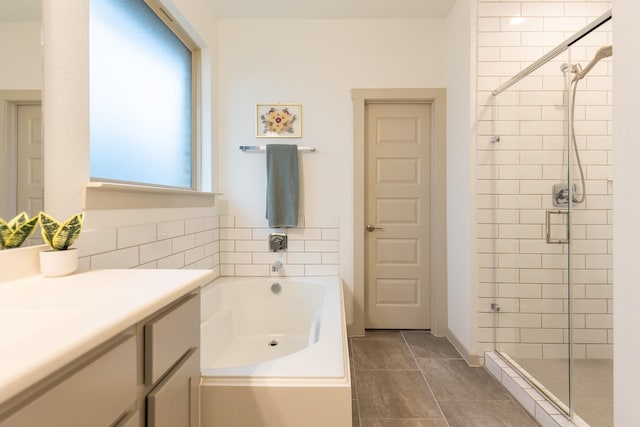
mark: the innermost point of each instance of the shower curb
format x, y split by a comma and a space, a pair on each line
534, 402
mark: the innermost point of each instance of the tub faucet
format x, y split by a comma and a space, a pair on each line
275, 267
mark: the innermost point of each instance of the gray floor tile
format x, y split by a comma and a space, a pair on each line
382, 354
395, 422
423, 345
381, 334
395, 394
486, 413
453, 379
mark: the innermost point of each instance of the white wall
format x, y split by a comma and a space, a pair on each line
21, 49
626, 229
316, 63
460, 170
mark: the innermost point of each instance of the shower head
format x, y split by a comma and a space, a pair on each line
603, 52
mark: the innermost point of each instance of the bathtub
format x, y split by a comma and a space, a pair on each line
274, 353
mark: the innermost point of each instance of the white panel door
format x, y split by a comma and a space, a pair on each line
398, 147
30, 163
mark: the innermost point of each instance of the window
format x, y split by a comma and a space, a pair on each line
141, 97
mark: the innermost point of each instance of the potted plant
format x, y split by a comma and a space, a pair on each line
61, 259
16, 231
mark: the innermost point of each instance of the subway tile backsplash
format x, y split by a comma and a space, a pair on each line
229, 245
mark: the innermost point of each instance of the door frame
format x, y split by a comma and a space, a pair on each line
437, 99
10, 100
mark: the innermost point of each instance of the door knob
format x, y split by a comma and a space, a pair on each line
371, 227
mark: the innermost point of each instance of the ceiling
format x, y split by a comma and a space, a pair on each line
20, 10
332, 9
30, 10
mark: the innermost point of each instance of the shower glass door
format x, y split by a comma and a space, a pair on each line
532, 245
549, 250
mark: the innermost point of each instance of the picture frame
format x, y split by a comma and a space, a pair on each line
279, 120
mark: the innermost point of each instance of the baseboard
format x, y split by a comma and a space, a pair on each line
471, 359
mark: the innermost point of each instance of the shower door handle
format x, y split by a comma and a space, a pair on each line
548, 228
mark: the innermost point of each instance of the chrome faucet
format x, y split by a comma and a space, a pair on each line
275, 267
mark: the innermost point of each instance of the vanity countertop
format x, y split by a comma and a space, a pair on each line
46, 323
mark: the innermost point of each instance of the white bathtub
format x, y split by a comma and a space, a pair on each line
274, 359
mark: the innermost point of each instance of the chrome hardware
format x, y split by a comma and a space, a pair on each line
495, 307
371, 227
495, 139
277, 242
548, 228
276, 266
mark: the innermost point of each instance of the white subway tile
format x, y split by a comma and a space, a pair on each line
236, 234
541, 276
168, 230
252, 246
93, 242
330, 234
488, 24
520, 172
136, 235
212, 222
147, 266
252, 270
305, 258
499, 9
542, 336
305, 234
518, 393
123, 258
155, 250
564, 24
542, 9
521, 24
292, 270
204, 237
269, 258
173, 261
195, 225
321, 270
489, 54
542, 38
519, 290
193, 255
321, 246
522, 53
235, 258
590, 336
182, 243
227, 270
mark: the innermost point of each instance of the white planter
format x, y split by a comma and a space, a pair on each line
58, 263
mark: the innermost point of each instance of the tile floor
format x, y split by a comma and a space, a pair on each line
592, 385
413, 379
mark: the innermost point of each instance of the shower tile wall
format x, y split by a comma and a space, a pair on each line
229, 245
515, 177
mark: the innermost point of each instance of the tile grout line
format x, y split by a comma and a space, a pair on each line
444, 417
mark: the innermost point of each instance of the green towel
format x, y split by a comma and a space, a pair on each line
282, 185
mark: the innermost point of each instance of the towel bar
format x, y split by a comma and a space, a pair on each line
264, 147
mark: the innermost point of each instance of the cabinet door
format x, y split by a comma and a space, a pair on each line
95, 395
169, 337
175, 401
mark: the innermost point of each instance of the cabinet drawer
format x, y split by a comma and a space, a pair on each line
95, 395
174, 401
170, 336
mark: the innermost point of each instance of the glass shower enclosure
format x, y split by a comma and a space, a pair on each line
552, 222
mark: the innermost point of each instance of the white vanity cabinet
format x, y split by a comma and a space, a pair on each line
95, 391
172, 366
146, 375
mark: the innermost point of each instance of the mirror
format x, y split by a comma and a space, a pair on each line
21, 145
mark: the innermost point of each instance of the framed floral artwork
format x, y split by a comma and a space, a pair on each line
279, 120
